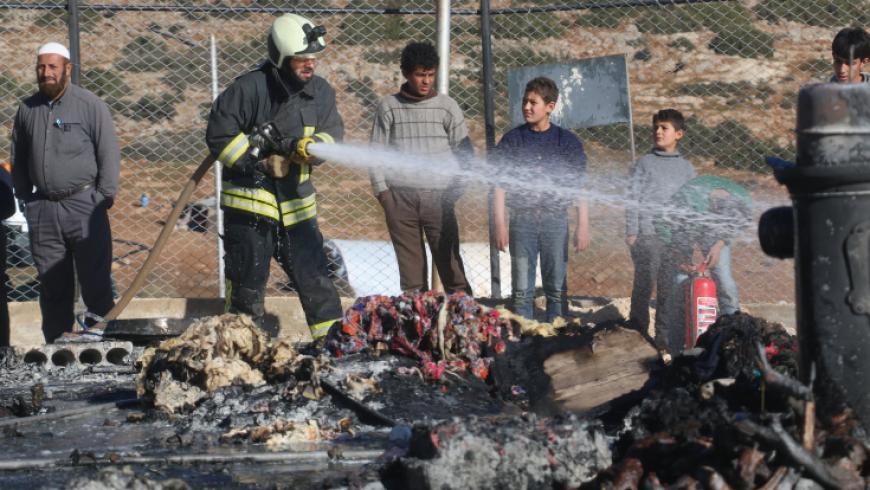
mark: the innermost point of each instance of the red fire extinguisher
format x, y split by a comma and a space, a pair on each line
701, 304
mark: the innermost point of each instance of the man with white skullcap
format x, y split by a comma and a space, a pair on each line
66, 164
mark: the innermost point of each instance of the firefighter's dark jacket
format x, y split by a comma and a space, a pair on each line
257, 97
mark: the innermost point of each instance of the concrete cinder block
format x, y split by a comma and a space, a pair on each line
53, 356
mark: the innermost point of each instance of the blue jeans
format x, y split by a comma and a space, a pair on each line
532, 234
726, 286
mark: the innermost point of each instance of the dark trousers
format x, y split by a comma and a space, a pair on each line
4, 291
67, 237
670, 322
412, 214
647, 257
250, 244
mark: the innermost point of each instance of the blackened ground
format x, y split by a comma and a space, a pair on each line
405, 397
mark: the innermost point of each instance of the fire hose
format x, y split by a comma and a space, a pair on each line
143, 273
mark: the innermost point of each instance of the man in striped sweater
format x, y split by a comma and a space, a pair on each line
419, 200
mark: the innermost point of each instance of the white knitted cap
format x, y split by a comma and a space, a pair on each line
53, 48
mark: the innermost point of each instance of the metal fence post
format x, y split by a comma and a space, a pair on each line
489, 124
73, 26
443, 35
218, 180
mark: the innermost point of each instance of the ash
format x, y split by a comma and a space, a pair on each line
124, 478
513, 452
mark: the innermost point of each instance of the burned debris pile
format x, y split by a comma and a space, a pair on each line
454, 395
725, 417
443, 333
217, 352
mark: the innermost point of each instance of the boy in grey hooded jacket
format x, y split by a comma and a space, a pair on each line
654, 180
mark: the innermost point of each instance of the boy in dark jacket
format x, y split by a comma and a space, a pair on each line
543, 153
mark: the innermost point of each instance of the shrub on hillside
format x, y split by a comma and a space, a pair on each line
105, 83
155, 108
89, 20
145, 54
368, 29
362, 89
166, 146
820, 69
735, 92
746, 43
605, 18
682, 44
821, 13
526, 26
729, 144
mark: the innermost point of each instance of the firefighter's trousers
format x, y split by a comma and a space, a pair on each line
250, 244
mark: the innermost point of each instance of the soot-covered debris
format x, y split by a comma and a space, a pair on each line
443, 333
217, 352
496, 453
724, 420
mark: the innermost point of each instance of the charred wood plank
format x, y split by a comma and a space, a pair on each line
617, 362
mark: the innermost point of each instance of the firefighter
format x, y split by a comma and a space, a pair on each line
259, 129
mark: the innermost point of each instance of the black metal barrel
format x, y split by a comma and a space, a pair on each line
830, 190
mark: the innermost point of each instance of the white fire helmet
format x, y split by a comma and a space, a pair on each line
293, 35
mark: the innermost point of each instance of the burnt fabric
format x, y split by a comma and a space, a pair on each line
251, 243
70, 237
463, 337
411, 213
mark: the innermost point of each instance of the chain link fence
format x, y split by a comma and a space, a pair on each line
733, 67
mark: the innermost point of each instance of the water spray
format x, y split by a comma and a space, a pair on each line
603, 190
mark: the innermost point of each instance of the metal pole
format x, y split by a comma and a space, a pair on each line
73, 26
489, 123
443, 35
218, 176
